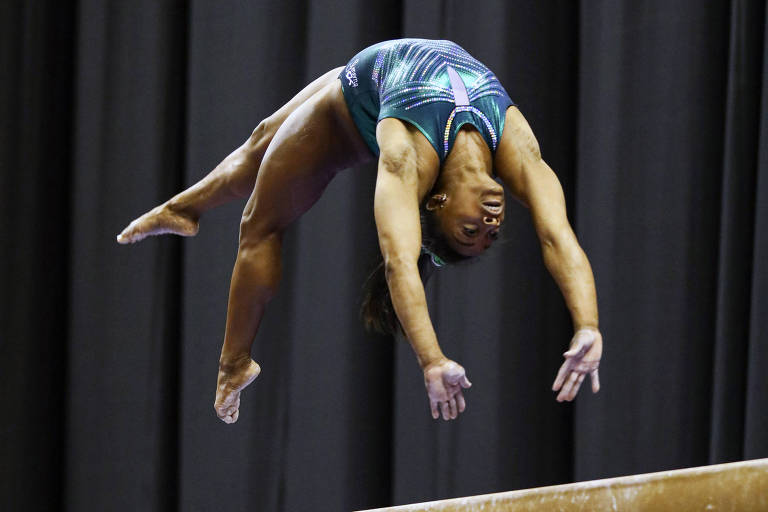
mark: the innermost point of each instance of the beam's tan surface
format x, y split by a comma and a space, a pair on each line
739, 486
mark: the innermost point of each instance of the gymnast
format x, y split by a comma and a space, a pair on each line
443, 128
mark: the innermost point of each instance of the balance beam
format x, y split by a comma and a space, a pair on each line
738, 486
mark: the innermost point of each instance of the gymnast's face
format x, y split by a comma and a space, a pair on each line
469, 216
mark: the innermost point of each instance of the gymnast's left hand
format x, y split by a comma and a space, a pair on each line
581, 360
444, 380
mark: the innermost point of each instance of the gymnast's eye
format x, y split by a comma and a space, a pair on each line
494, 235
470, 230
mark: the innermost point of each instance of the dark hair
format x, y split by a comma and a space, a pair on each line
377, 311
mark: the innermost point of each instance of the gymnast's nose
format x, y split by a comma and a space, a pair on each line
491, 221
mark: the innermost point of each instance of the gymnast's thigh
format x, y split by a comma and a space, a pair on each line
314, 143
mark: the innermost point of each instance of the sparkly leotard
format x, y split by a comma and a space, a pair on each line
434, 85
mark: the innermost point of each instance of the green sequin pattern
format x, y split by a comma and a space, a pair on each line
408, 79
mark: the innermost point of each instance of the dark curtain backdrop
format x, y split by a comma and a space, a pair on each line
653, 114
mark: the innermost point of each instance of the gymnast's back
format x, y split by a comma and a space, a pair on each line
435, 85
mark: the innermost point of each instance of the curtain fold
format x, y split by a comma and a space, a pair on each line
652, 87
36, 56
742, 125
122, 364
652, 115
756, 420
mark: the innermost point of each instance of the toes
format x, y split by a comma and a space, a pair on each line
227, 407
231, 418
124, 237
233, 408
131, 234
229, 386
228, 414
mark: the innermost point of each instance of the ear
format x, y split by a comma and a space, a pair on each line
436, 201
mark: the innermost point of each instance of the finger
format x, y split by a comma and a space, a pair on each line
574, 350
460, 402
433, 407
236, 415
446, 412
570, 353
452, 408
567, 386
561, 374
464, 382
575, 389
595, 381
573, 379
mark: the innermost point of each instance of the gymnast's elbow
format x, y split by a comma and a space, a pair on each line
562, 248
399, 266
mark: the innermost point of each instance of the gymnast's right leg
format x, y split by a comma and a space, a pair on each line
233, 178
316, 141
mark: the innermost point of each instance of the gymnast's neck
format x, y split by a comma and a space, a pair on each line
469, 159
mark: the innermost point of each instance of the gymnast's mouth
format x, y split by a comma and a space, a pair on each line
493, 207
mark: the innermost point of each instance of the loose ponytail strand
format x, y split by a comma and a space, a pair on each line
376, 311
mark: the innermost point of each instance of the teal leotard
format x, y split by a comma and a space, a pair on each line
434, 85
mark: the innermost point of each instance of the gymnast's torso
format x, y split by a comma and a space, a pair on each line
435, 85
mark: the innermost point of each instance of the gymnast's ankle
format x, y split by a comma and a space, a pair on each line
233, 362
178, 207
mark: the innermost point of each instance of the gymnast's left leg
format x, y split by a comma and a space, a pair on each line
232, 179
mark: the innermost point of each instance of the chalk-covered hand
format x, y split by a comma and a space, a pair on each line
581, 360
444, 381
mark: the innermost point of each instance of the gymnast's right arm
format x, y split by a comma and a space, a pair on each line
396, 208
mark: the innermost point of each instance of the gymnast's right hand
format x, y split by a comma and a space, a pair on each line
444, 380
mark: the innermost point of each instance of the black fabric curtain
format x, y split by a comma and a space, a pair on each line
651, 113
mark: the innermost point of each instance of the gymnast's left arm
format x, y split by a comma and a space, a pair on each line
518, 162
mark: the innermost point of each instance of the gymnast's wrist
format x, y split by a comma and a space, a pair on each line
434, 357
594, 333
585, 326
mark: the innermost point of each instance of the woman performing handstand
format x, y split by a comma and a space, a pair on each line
442, 126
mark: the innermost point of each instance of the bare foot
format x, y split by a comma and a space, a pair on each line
233, 378
158, 221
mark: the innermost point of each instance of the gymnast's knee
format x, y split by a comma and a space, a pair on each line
263, 133
255, 230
